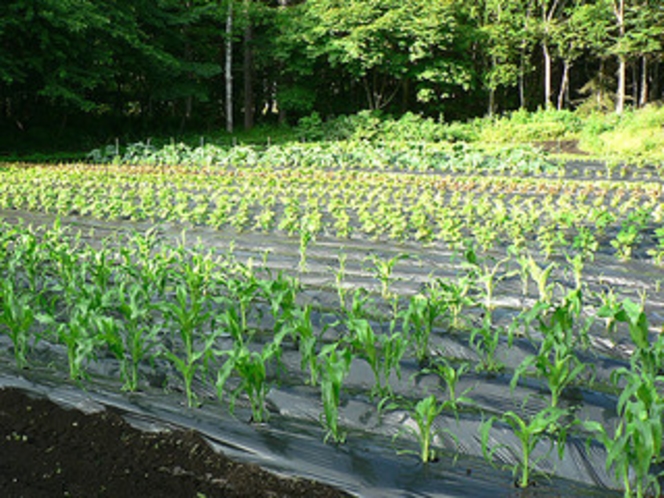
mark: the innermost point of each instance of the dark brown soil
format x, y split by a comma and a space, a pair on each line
47, 451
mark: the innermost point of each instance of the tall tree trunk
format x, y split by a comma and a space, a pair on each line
645, 91
522, 79
248, 72
619, 12
564, 84
547, 75
229, 68
620, 93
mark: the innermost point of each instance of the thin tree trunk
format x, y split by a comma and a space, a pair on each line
600, 84
547, 75
522, 79
645, 91
622, 75
619, 12
564, 84
229, 67
248, 70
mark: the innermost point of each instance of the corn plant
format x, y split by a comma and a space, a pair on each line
456, 296
188, 315
382, 352
485, 340
541, 276
335, 365
302, 332
281, 292
544, 426
424, 414
16, 318
383, 270
420, 317
251, 368
556, 361
631, 231
243, 290
634, 449
450, 375
80, 337
134, 337
309, 226
488, 275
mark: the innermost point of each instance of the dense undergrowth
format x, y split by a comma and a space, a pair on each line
634, 136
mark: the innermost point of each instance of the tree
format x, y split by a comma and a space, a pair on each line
582, 32
507, 39
384, 44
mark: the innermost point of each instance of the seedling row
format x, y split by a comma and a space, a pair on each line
184, 316
554, 216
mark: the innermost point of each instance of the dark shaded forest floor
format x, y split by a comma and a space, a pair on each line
48, 451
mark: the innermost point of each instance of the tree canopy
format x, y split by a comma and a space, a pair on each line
165, 63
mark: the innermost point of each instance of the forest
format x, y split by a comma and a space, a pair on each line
94, 69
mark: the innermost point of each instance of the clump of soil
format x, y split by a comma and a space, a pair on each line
49, 451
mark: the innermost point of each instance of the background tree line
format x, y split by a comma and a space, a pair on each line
139, 66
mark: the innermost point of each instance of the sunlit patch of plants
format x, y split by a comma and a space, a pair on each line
220, 326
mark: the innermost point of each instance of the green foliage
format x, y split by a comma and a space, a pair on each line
424, 414
544, 426
335, 365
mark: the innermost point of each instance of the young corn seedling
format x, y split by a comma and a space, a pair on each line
383, 353
383, 270
80, 336
334, 367
545, 426
450, 375
456, 297
424, 414
309, 226
576, 262
634, 449
251, 368
489, 277
485, 340
243, 290
419, 320
133, 338
16, 318
302, 331
281, 293
188, 315
541, 276
556, 360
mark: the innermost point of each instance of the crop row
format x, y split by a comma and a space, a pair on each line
550, 215
215, 321
336, 155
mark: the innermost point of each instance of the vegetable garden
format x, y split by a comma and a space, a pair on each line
434, 320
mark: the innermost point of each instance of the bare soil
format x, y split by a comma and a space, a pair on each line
48, 451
